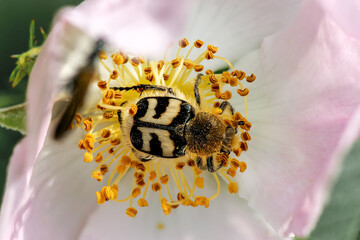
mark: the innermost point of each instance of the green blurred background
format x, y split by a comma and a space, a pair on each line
15, 18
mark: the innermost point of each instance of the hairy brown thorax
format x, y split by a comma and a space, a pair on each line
204, 134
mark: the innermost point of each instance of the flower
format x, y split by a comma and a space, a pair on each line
305, 94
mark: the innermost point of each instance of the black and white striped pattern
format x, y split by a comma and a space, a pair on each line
158, 127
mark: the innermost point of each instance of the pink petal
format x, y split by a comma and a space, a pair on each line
238, 27
15, 194
306, 92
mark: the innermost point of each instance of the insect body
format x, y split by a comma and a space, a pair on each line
167, 127
79, 85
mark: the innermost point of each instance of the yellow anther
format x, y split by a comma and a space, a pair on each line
188, 64
88, 144
251, 78
203, 201
121, 169
233, 188
103, 169
244, 146
235, 163
97, 175
164, 179
150, 77
237, 116
110, 193
142, 202
243, 166
238, 74
217, 111
141, 167
139, 175
109, 94
98, 158
237, 151
114, 75
176, 62
108, 115
213, 79
209, 55
227, 95
81, 145
141, 59
136, 192
197, 171
140, 182
209, 72
135, 61
198, 43
231, 171
156, 187
100, 198
191, 163
115, 141
133, 110
215, 87
118, 59
106, 133
166, 207
180, 196
147, 70
245, 136
102, 85
160, 65
88, 157
102, 55
88, 123
78, 118
243, 92
90, 136
199, 182
183, 43
246, 126
212, 48
126, 160
180, 165
166, 77
234, 82
131, 212
198, 68
133, 163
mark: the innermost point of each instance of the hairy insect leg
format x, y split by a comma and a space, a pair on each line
196, 88
226, 106
144, 87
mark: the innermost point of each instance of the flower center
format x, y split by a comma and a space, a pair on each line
169, 124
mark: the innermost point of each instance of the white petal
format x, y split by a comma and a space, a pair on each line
307, 90
238, 27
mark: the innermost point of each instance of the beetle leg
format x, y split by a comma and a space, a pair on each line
196, 89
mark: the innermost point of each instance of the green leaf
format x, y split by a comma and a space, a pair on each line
32, 34
14, 117
341, 217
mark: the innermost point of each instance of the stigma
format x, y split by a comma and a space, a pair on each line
170, 125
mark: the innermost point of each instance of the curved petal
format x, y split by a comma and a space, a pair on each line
16, 192
307, 90
62, 195
238, 27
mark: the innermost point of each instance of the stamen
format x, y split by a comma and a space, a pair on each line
113, 152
